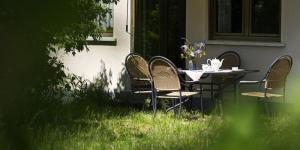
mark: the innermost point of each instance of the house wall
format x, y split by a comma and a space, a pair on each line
253, 57
90, 63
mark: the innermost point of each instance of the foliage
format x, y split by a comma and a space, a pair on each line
30, 31
32, 80
59, 105
72, 38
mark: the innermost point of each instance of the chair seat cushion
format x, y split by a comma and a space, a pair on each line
173, 95
261, 94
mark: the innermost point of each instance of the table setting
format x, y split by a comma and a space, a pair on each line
212, 67
193, 50
222, 70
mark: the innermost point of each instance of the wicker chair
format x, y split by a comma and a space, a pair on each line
137, 68
218, 83
231, 59
166, 83
274, 81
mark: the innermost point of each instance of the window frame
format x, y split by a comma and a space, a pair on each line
107, 38
246, 34
112, 16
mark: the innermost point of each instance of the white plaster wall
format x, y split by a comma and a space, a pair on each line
253, 57
88, 64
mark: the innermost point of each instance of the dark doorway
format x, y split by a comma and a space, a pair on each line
159, 27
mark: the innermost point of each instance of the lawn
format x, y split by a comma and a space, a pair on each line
121, 128
74, 126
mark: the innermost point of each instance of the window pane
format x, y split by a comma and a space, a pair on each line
265, 16
107, 22
229, 16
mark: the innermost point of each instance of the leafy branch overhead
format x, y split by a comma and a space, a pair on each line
73, 37
30, 30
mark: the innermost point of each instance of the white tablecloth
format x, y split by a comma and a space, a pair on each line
195, 75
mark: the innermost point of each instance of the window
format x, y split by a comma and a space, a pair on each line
253, 20
107, 23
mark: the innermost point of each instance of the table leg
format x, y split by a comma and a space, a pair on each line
235, 91
190, 103
220, 100
201, 99
212, 92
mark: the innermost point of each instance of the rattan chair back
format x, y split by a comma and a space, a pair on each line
231, 59
164, 74
137, 67
278, 72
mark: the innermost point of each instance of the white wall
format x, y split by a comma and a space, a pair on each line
253, 57
88, 64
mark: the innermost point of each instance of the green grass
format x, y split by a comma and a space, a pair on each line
88, 126
114, 128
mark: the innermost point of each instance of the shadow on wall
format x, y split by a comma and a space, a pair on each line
104, 75
123, 93
102, 88
123, 81
98, 89
74, 88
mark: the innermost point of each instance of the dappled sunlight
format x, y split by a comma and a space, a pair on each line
87, 125
92, 119
136, 130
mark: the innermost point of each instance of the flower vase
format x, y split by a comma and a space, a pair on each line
192, 65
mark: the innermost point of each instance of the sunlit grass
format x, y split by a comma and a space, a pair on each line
124, 128
99, 127
87, 125
129, 129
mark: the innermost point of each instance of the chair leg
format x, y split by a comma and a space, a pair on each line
190, 105
220, 102
267, 109
154, 105
154, 99
176, 109
151, 101
201, 100
191, 100
173, 105
236, 91
212, 94
284, 94
180, 101
202, 108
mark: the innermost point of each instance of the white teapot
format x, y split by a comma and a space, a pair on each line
215, 64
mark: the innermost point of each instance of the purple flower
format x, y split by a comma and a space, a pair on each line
198, 51
192, 50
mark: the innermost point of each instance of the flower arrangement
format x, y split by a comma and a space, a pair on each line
193, 50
